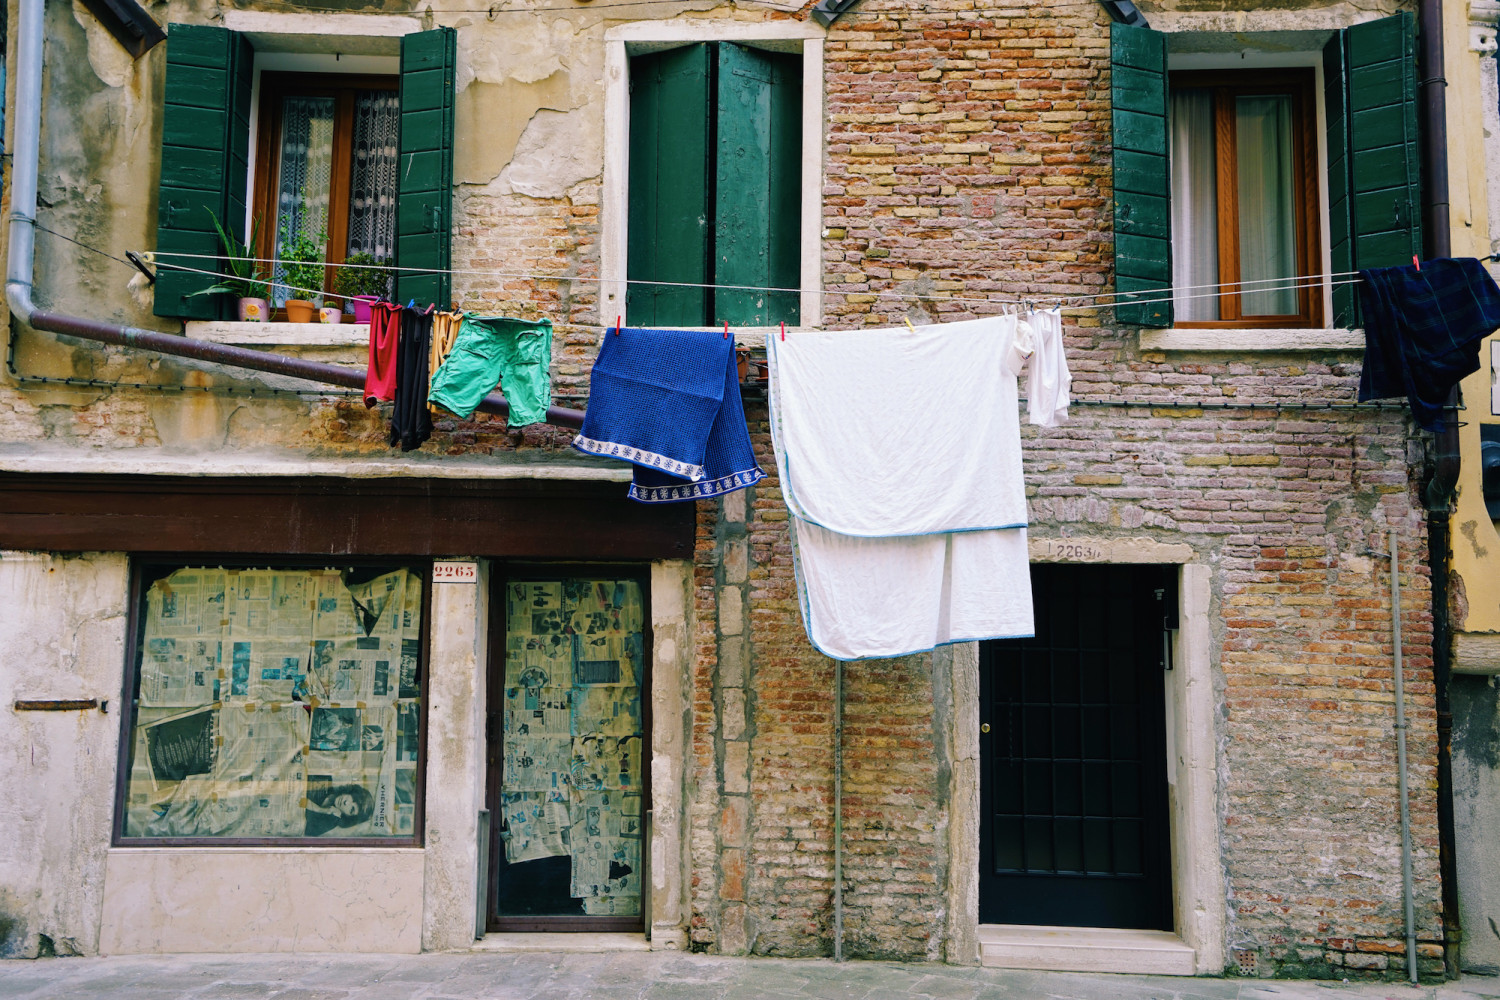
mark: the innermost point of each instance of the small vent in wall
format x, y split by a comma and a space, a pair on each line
1246, 960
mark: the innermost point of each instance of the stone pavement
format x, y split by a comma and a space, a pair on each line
636, 975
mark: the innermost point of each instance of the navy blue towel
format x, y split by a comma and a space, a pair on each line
668, 402
1423, 329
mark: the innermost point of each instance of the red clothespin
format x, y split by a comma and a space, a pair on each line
1416, 263
783, 329
726, 329
617, 325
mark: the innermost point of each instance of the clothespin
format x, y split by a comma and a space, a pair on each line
726, 329
783, 329
908, 324
618, 320
411, 304
1416, 263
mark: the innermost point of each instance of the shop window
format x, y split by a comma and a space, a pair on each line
326, 170
1244, 186
274, 704
571, 788
396, 192
715, 186
1215, 179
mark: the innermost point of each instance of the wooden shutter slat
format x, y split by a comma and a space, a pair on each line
668, 229
1142, 214
424, 187
205, 130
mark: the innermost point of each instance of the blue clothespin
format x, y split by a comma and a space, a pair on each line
411, 304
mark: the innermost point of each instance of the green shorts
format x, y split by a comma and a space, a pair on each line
516, 354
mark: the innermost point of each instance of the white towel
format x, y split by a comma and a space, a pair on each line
1048, 378
900, 458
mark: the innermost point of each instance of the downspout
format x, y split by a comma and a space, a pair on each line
1440, 489
21, 257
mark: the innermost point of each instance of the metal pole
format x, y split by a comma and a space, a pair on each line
838, 810
1406, 886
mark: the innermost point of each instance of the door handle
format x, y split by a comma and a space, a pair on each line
984, 727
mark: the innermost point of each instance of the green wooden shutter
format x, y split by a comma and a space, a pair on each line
1340, 230
758, 191
670, 159
204, 147
1143, 219
1384, 158
424, 187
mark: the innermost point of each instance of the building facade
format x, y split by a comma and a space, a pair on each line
1192, 768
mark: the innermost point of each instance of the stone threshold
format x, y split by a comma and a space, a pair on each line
1084, 949
561, 942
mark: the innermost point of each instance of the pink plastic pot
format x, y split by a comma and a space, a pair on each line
362, 304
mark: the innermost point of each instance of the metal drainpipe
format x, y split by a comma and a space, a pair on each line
21, 256
1399, 673
1440, 488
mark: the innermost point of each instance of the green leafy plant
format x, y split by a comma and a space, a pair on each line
302, 262
247, 277
366, 275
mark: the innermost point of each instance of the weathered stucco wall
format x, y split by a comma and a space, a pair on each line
63, 632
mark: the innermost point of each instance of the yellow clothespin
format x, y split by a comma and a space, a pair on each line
908, 324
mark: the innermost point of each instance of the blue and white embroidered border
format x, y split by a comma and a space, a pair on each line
696, 491
613, 449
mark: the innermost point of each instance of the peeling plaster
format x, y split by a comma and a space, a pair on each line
555, 152
499, 114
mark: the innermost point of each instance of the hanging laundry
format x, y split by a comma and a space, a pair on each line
515, 354
1047, 377
445, 326
1423, 330
900, 459
668, 402
385, 336
411, 424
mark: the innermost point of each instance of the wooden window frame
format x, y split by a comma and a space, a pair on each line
142, 563
1297, 83
274, 87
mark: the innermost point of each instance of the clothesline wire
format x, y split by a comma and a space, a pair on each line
986, 13
1172, 293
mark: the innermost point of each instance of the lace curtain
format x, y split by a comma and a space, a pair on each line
302, 188
372, 187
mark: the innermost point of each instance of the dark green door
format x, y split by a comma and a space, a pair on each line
1073, 789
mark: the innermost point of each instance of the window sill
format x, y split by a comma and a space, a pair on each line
279, 334
1252, 340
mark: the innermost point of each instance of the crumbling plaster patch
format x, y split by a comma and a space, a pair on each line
555, 152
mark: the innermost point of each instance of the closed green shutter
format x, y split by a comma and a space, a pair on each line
1143, 220
758, 199
1340, 230
669, 187
424, 187
204, 148
1384, 158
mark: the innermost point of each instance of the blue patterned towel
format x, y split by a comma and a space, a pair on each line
668, 402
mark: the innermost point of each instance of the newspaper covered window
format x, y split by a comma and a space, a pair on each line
570, 788
276, 703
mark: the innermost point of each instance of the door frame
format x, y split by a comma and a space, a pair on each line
1198, 904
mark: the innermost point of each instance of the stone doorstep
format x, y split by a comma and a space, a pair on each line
561, 943
1084, 949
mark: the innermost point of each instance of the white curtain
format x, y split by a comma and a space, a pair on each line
1195, 212
1268, 225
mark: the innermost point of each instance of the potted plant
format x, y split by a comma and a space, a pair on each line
363, 282
247, 278
302, 268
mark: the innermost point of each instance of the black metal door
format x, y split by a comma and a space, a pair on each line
1073, 793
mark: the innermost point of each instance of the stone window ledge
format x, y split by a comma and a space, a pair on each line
1241, 341
280, 334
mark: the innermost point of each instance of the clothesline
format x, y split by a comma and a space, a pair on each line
1164, 294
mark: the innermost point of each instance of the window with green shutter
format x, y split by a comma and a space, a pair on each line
1232, 156
350, 164
715, 186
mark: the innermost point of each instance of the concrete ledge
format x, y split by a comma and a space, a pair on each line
1242, 341
152, 462
279, 334
1084, 949
575, 943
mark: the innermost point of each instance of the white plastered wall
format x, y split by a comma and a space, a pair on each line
1197, 866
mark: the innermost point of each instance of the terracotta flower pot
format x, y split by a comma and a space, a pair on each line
301, 311
362, 304
331, 314
255, 310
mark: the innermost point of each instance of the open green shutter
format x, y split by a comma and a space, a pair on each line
1384, 158
1340, 228
670, 160
204, 146
758, 202
424, 187
1143, 219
